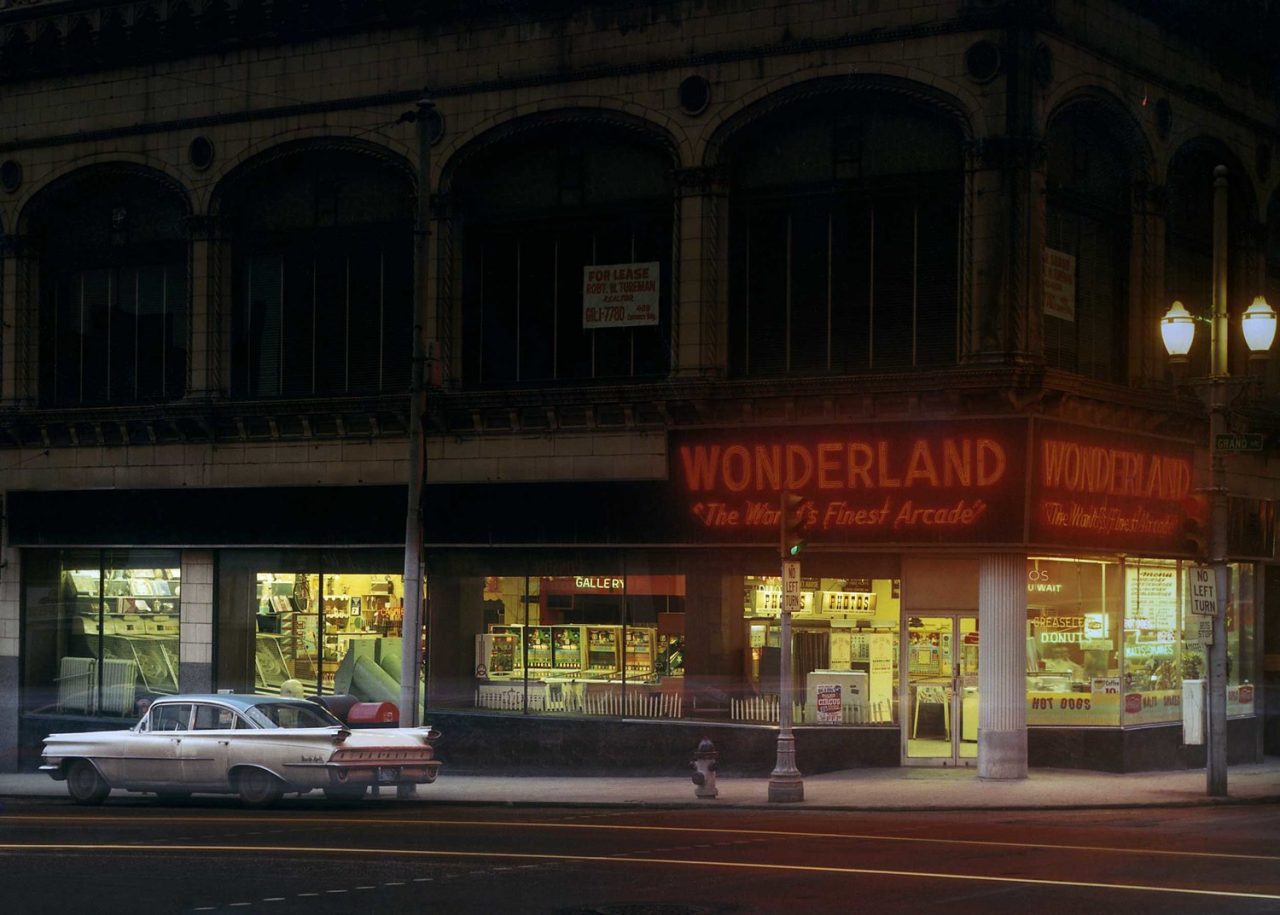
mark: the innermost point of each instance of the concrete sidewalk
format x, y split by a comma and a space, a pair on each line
851, 789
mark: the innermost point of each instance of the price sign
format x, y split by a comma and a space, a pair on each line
1204, 591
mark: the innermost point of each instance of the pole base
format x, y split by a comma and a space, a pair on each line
785, 790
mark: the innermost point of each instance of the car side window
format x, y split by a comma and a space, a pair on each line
171, 718
214, 718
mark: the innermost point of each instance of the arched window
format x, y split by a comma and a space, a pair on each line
1087, 218
323, 276
844, 239
113, 290
535, 213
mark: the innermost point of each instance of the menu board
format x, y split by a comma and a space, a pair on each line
1151, 597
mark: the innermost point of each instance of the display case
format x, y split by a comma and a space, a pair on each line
604, 652
567, 651
640, 646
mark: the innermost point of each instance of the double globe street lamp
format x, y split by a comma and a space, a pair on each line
1177, 328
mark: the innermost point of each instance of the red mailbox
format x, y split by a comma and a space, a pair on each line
373, 715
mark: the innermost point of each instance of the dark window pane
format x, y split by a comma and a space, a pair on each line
498, 307
851, 288
537, 307
95, 324
125, 328
175, 362
809, 247
766, 291
151, 351
297, 325
328, 339
652, 345
260, 326
366, 317
614, 245
937, 282
893, 308
397, 326
573, 350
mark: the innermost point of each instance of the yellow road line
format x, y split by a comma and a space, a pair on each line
276, 851
538, 824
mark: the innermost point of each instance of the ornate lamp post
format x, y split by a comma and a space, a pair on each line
1177, 328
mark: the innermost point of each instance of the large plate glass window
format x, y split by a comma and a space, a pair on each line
100, 630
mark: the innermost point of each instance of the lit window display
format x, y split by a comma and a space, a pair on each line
587, 645
844, 650
334, 633
1073, 642
101, 630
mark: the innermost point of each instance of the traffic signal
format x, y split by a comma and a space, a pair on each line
1195, 532
792, 524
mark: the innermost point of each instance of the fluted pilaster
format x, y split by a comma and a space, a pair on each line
1002, 686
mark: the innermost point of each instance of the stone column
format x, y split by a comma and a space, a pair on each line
9, 667
1147, 303
18, 322
195, 629
203, 335
713, 639
699, 328
1002, 680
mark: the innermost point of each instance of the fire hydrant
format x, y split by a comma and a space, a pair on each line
704, 766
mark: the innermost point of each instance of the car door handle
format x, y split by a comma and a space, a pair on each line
225, 743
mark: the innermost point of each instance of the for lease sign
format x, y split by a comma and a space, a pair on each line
620, 295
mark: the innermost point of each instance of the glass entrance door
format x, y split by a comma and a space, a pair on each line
939, 693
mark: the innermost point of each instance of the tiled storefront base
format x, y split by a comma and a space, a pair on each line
518, 744
1153, 747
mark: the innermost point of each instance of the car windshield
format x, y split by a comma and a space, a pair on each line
290, 715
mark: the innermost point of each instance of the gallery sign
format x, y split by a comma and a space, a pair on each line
1109, 490
905, 482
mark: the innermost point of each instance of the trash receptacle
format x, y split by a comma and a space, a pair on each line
373, 715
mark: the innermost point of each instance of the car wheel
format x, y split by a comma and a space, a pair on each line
258, 789
345, 792
85, 785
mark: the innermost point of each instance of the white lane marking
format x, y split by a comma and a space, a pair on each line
614, 859
273, 899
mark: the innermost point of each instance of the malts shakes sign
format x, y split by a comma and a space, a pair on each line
862, 484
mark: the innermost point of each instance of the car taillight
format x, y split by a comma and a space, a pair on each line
429, 734
340, 736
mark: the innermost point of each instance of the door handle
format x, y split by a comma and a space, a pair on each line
225, 743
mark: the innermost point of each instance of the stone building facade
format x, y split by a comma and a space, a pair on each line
873, 224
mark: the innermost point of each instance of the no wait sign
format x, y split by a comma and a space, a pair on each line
1204, 591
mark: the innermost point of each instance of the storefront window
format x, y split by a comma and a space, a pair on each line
844, 650
1073, 642
1163, 645
100, 630
334, 633
586, 645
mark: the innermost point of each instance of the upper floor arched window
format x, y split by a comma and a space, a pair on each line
535, 211
113, 309
322, 296
844, 238
1087, 218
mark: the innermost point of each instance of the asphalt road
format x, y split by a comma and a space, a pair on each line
317, 857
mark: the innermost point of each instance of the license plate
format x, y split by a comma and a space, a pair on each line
389, 774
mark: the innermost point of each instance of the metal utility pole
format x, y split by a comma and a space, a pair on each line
411, 625
1216, 752
785, 782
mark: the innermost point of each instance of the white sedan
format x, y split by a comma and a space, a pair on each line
259, 747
